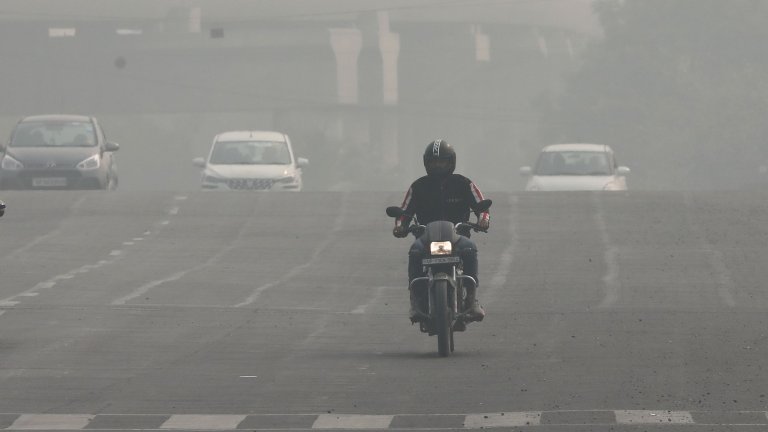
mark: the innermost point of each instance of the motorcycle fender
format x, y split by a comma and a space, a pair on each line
444, 276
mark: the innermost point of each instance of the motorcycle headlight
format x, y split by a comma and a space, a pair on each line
11, 164
92, 162
440, 248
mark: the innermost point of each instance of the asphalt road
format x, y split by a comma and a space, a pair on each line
222, 311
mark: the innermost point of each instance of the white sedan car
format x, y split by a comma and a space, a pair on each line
251, 160
576, 167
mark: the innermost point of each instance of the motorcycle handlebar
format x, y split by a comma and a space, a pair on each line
418, 228
471, 225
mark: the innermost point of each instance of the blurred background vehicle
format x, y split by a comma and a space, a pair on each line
576, 167
2, 208
251, 160
58, 152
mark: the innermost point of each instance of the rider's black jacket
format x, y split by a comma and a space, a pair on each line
449, 198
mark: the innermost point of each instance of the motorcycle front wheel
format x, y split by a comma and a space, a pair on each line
442, 318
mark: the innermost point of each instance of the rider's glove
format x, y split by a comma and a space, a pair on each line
484, 224
400, 231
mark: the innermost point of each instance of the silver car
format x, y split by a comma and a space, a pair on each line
251, 160
576, 167
58, 152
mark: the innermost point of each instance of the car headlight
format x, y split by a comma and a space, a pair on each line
11, 164
212, 179
287, 179
440, 248
92, 162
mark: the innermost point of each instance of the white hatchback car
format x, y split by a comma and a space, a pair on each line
251, 160
576, 167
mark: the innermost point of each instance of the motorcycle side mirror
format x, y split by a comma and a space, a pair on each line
483, 205
394, 212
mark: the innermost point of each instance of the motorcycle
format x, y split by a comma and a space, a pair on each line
445, 281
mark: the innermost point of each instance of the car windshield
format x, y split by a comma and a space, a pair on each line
250, 153
573, 163
54, 134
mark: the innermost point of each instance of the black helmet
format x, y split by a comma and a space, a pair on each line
439, 158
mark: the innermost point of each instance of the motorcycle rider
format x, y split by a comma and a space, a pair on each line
442, 195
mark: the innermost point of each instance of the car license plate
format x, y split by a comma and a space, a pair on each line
441, 260
49, 181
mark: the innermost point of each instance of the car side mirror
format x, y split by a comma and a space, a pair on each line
111, 146
199, 162
302, 162
622, 171
526, 171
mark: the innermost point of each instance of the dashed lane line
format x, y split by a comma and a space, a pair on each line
499, 279
114, 255
610, 257
349, 421
330, 238
725, 284
341, 421
208, 422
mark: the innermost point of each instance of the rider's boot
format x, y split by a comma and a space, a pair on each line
474, 311
415, 313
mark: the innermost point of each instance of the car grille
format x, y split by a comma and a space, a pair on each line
250, 184
51, 166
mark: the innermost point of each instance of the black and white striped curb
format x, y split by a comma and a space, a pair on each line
15, 421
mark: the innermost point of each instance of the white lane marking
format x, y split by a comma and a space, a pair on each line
41, 238
180, 197
128, 243
173, 211
146, 287
178, 275
648, 417
138, 238
350, 421
249, 376
337, 226
203, 422
165, 222
50, 283
376, 297
51, 421
499, 278
725, 284
481, 421
610, 258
